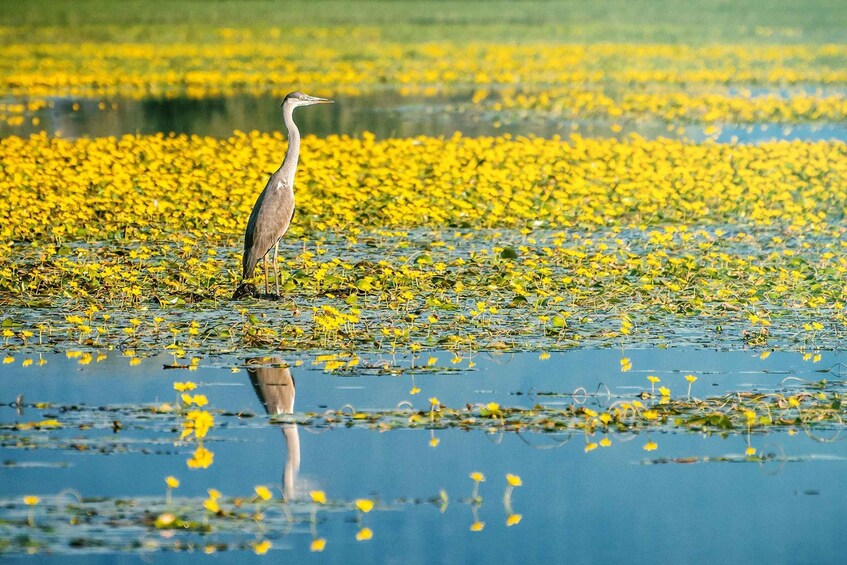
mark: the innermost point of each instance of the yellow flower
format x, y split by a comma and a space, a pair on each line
750, 450
214, 494
318, 496
477, 526
478, 477
434, 441
31, 500
434, 401
364, 504
414, 390
513, 519
262, 547
690, 378
492, 407
653, 379
263, 492
364, 534
590, 447
650, 446
199, 422
605, 442
318, 544
182, 387
172, 482
211, 505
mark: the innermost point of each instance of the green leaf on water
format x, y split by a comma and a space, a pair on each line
508, 253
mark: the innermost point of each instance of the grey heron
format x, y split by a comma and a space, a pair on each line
274, 208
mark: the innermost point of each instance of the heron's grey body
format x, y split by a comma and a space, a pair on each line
272, 213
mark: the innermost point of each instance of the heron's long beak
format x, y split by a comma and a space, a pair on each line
317, 100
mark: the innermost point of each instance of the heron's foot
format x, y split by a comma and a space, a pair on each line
244, 290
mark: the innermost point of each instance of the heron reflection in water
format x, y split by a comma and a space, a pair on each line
274, 385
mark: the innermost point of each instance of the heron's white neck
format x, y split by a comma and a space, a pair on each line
289, 165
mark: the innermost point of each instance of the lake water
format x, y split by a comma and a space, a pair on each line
95, 441
695, 498
385, 113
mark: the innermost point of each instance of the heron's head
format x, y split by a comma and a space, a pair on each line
297, 99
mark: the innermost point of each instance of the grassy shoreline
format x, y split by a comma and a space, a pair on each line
660, 21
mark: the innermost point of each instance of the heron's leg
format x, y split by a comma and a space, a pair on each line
276, 267
265, 261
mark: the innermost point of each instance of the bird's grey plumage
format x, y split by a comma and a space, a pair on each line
272, 213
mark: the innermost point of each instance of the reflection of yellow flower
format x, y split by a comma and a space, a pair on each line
434, 441
477, 526
201, 459
172, 482
214, 494
182, 387
650, 446
750, 450
165, 520
31, 500
513, 519
318, 496
262, 547
364, 534
318, 544
364, 504
478, 477
263, 492
513, 480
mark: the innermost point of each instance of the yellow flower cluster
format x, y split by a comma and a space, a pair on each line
244, 64
673, 106
669, 81
150, 187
